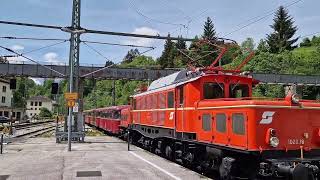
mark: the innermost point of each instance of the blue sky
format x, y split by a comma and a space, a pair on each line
121, 15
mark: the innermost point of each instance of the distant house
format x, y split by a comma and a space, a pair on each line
6, 108
34, 104
5, 98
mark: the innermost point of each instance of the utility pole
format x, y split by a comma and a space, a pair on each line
113, 92
74, 60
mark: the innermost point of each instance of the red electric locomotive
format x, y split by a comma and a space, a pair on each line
207, 119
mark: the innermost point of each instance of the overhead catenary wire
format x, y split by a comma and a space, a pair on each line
152, 19
32, 38
259, 19
21, 55
116, 44
96, 51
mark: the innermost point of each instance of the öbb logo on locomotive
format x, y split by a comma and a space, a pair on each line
267, 117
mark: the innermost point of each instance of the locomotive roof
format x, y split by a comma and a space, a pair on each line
170, 79
176, 79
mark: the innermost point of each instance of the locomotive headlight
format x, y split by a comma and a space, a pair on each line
295, 99
274, 142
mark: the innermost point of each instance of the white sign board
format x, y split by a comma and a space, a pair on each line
76, 107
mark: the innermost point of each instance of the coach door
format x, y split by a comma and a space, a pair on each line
220, 129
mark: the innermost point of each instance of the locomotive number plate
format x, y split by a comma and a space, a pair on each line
295, 141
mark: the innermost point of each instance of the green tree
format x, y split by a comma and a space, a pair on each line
132, 53
209, 32
263, 46
44, 112
248, 44
305, 43
167, 58
284, 30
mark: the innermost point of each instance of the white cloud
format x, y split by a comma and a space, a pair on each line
52, 58
142, 41
16, 60
17, 47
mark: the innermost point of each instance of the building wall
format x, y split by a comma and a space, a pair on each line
5, 98
33, 107
5, 94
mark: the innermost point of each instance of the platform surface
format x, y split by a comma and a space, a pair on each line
99, 158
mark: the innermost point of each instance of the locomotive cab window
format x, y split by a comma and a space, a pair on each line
238, 124
213, 90
239, 90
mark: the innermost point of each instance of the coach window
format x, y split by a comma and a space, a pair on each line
238, 124
206, 122
239, 90
213, 90
170, 99
221, 123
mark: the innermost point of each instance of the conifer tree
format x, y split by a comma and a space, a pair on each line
167, 58
209, 32
284, 30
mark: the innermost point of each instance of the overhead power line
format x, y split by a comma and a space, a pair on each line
32, 38
21, 55
82, 30
152, 19
96, 51
43, 47
117, 44
259, 19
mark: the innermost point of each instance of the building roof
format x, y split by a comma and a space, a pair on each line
40, 98
4, 81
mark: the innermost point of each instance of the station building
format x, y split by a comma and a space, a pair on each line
35, 103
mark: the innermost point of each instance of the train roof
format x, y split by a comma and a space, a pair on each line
116, 108
180, 78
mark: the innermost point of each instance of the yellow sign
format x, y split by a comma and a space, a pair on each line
71, 96
71, 103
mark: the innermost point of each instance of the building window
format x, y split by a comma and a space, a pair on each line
31, 103
213, 90
31, 108
4, 89
6, 113
13, 114
35, 108
40, 103
206, 122
1, 113
3, 99
170, 100
30, 114
238, 124
36, 103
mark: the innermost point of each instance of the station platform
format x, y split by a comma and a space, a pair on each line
100, 157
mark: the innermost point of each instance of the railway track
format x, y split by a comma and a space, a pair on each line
205, 174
